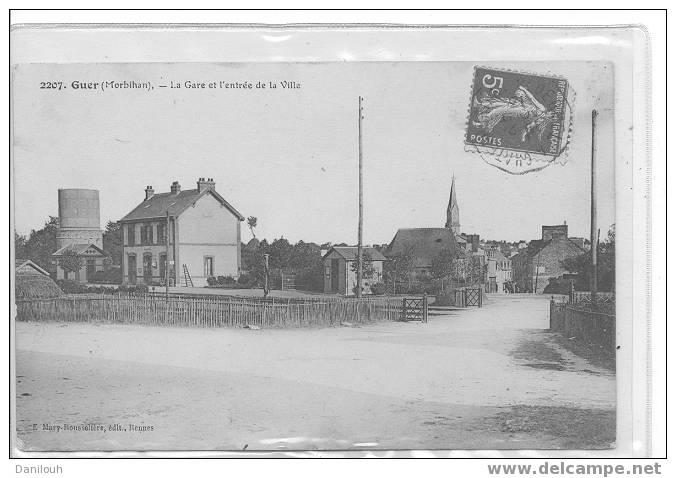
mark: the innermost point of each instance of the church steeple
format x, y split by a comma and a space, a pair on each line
453, 211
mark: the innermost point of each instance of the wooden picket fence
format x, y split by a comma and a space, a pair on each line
586, 325
209, 312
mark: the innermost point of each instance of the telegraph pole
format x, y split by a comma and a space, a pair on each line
361, 208
594, 232
266, 286
166, 259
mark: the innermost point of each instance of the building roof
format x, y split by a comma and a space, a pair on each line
424, 244
537, 245
497, 255
35, 286
78, 249
20, 264
349, 253
159, 204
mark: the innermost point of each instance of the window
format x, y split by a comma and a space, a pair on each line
146, 234
161, 239
208, 266
130, 234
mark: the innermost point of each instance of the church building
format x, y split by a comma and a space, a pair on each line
424, 244
453, 211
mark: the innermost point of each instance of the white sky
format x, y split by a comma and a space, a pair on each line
289, 157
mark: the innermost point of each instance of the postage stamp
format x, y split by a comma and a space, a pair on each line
518, 122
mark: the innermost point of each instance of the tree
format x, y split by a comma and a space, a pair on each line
70, 261
112, 242
40, 244
257, 265
581, 265
368, 270
399, 268
303, 258
19, 246
281, 252
252, 222
306, 262
443, 265
469, 269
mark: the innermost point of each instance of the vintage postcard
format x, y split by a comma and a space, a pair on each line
319, 256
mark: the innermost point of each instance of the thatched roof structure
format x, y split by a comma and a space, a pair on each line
32, 282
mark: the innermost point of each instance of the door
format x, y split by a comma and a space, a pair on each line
91, 269
163, 267
335, 270
147, 268
131, 268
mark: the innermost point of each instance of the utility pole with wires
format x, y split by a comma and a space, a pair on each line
166, 259
361, 207
593, 280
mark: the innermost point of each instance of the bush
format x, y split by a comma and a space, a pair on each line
558, 286
226, 280
72, 287
418, 288
133, 289
379, 288
445, 298
110, 276
310, 279
245, 280
69, 286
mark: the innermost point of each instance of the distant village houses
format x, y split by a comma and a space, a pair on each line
185, 235
542, 259
498, 271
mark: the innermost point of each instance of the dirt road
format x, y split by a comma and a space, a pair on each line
489, 378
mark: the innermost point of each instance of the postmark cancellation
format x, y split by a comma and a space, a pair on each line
519, 122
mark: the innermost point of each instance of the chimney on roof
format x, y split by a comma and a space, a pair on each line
175, 187
554, 232
149, 192
203, 185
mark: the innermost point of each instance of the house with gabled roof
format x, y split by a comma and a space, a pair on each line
543, 258
183, 236
339, 276
422, 245
91, 257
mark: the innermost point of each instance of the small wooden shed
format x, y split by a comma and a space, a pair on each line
339, 278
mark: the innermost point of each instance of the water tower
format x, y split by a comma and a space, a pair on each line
79, 218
